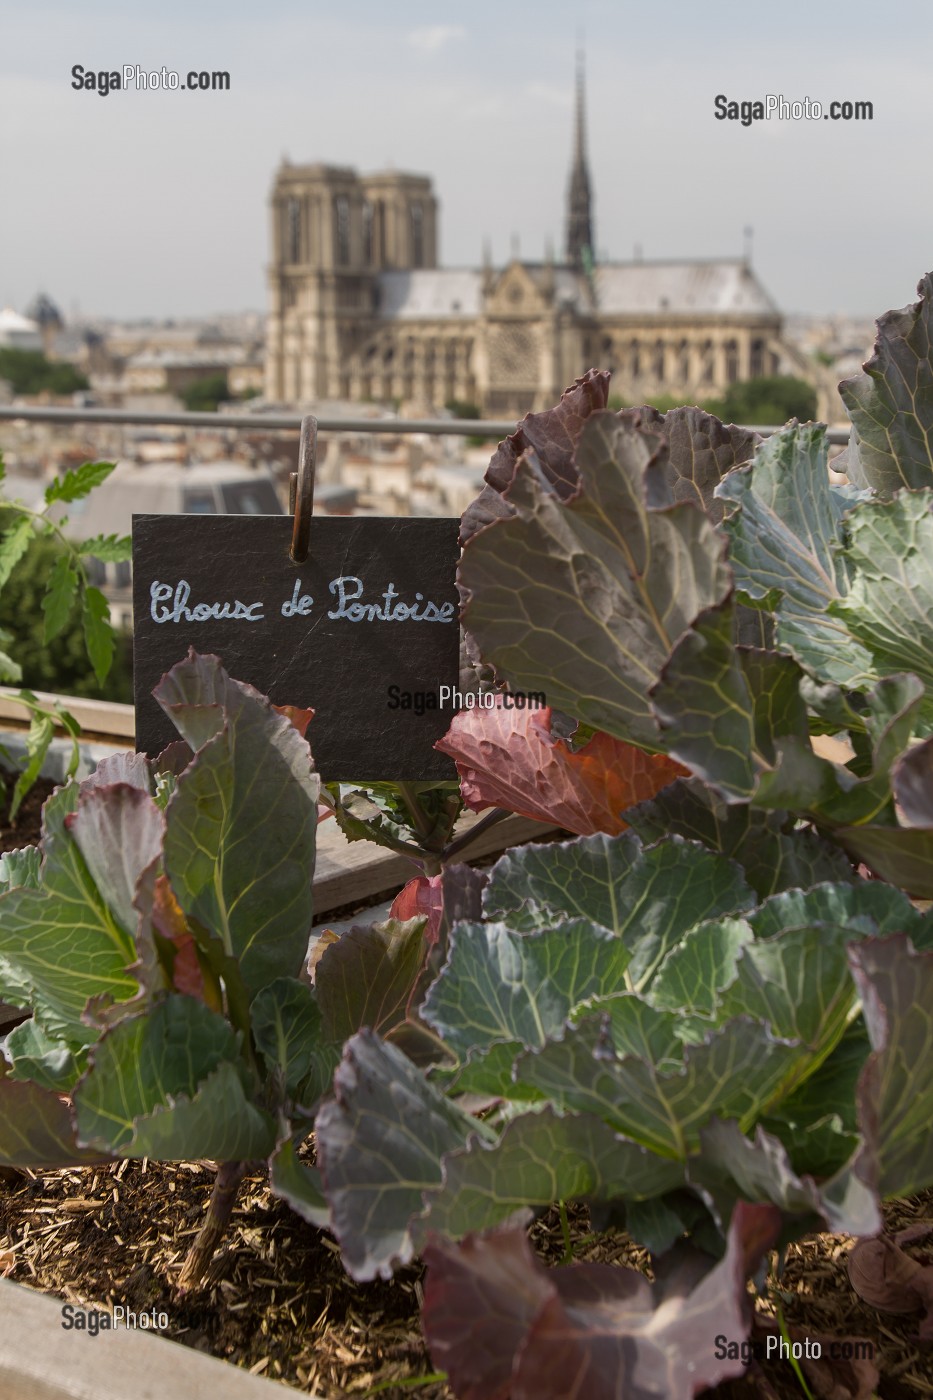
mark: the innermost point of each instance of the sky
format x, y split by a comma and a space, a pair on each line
156, 203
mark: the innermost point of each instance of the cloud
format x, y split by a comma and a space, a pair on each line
431, 37
555, 96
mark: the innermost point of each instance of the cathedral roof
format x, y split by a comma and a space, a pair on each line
430, 293
696, 288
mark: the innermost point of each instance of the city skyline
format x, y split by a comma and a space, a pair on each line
155, 203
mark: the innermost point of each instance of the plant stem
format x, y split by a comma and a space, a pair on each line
411, 1383
795, 1364
214, 1225
421, 822
461, 842
565, 1231
42, 517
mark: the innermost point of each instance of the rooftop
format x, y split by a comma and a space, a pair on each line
716, 287
430, 293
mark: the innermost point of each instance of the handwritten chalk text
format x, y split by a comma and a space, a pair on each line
170, 603
179, 611
349, 589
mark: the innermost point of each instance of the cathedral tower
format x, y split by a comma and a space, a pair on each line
580, 241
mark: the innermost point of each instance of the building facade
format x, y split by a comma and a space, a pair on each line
360, 310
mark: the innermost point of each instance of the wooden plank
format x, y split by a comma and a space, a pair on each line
99, 719
347, 872
39, 1360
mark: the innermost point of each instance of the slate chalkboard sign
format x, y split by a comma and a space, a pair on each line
365, 632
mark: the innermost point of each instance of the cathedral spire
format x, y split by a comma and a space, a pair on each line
579, 201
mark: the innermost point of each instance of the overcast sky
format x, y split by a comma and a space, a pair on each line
155, 203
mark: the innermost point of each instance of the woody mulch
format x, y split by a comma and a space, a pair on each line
278, 1303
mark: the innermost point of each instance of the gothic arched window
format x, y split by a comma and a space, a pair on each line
417, 236
732, 361
293, 230
342, 229
756, 364
367, 233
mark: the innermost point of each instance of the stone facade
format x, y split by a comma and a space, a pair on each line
360, 309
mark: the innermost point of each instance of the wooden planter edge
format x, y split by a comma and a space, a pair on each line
39, 1360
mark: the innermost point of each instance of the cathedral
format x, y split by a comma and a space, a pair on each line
360, 309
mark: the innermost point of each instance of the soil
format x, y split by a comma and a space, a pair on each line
277, 1302
27, 829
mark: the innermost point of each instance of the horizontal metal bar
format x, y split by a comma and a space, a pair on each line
463, 427
458, 427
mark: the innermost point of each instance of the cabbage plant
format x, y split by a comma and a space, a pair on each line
718, 1010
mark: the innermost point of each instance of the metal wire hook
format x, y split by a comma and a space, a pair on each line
301, 490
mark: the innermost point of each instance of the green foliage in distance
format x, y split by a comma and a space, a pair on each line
662, 402
62, 664
767, 401
67, 587
462, 408
29, 372
204, 395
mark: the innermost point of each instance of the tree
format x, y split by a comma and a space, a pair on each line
769, 400
662, 402
61, 666
29, 372
204, 395
462, 408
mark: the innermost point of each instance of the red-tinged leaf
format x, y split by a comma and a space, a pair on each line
422, 896
887, 1277
173, 759
169, 923
912, 781
36, 1128
300, 718
480, 1298
502, 1326
366, 977
318, 948
508, 758
118, 829
551, 439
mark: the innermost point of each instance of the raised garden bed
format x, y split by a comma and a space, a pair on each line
694, 1034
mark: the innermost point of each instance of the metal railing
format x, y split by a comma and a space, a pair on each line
457, 427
